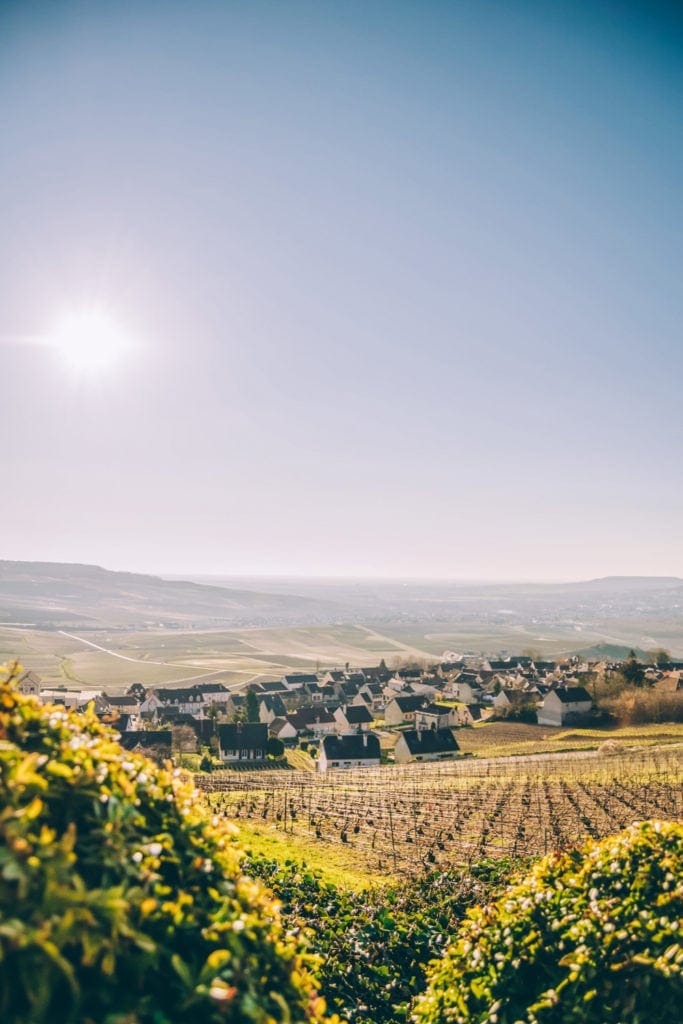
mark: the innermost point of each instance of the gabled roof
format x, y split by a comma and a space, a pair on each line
411, 703
356, 714
380, 674
274, 704
183, 695
430, 741
299, 678
31, 677
352, 748
374, 688
304, 718
572, 694
243, 736
146, 738
436, 709
277, 725
210, 687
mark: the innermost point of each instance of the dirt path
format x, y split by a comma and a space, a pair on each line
414, 652
203, 677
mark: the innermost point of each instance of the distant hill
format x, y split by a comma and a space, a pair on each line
612, 653
65, 595
624, 584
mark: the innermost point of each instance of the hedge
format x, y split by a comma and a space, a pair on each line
120, 901
592, 935
373, 946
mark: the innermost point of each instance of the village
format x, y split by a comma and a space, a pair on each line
351, 718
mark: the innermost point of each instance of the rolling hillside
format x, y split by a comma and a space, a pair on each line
54, 594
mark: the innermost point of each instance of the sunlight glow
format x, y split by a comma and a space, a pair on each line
90, 342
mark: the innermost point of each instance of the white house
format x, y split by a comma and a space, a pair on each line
318, 721
467, 692
282, 729
403, 709
29, 684
352, 717
425, 745
361, 750
186, 701
562, 705
244, 741
436, 716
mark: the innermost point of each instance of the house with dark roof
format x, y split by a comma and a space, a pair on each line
437, 716
156, 742
360, 750
352, 717
513, 698
270, 708
186, 699
235, 702
210, 688
347, 690
467, 691
425, 745
214, 693
243, 741
317, 721
125, 705
372, 692
282, 729
296, 680
377, 674
322, 694
403, 709
273, 686
564, 705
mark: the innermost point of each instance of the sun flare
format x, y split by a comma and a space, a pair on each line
90, 342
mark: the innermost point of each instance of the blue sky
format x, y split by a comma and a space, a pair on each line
401, 281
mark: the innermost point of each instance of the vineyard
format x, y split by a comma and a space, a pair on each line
405, 819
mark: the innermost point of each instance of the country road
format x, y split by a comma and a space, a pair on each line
413, 652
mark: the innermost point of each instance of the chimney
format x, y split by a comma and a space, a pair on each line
365, 739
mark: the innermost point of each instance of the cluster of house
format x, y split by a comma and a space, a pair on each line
341, 710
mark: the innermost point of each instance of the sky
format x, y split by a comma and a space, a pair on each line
395, 288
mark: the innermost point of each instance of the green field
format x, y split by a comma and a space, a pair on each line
159, 656
171, 656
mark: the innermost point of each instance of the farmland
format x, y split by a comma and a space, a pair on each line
404, 820
158, 657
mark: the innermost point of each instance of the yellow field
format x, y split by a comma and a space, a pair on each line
498, 739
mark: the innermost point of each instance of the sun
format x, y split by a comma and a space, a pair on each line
90, 342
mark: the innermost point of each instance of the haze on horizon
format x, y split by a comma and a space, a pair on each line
390, 289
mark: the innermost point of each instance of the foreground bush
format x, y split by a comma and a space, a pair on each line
374, 946
593, 935
119, 901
